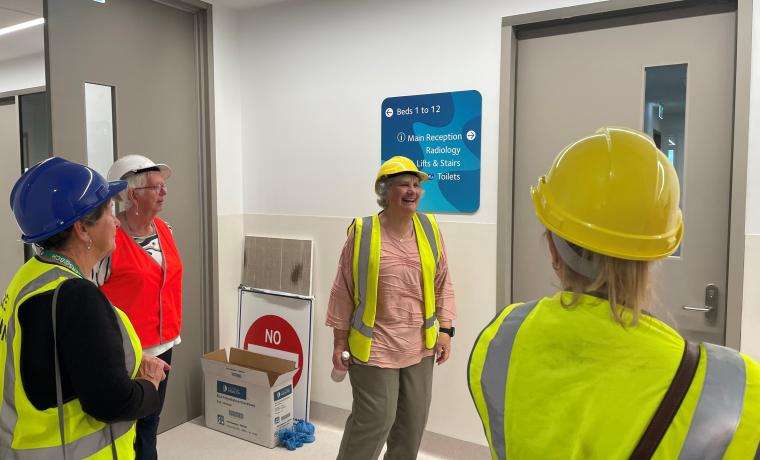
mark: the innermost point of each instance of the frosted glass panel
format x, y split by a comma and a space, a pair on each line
100, 126
665, 111
665, 114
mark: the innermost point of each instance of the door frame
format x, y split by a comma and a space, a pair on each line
615, 12
203, 24
23, 91
203, 20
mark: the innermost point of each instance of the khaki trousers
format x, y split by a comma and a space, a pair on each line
389, 404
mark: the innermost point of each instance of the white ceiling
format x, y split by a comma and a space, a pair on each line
244, 4
24, 42
32, 41
15, 11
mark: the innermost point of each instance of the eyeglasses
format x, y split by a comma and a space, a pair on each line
155, 188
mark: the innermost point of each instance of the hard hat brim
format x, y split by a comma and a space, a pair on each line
603, 241
422, 175
162, 168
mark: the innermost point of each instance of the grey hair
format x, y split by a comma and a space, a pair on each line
383, 185
381, 190
133, 181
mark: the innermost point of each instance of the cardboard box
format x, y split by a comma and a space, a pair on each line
249, 395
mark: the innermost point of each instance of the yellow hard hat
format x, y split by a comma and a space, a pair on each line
398, 165
613, 193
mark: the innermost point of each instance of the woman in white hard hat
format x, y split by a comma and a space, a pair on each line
587, 372
392, 307
143, 275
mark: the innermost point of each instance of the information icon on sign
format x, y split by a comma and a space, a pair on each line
389, 112
471, 135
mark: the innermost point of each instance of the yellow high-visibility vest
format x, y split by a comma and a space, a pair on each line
28, 433
366, 273
551, 381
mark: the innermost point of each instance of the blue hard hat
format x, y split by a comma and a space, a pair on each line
54, 194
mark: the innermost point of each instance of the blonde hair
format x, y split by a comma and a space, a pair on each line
625, 283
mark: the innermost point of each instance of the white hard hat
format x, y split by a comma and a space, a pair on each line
135, 164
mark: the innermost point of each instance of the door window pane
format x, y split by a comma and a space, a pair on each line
36, 138
665, 110
36, 141
665, 113
100, 127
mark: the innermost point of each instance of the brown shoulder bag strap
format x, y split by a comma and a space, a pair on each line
670, 404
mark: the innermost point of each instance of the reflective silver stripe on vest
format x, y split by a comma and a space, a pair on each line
427, 226
720, 405
495, 369
129, 350
363, 278
82, 447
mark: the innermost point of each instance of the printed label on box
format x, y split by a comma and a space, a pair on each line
281, 393
229, 389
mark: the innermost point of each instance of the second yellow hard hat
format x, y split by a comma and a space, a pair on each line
613, 193
397, 165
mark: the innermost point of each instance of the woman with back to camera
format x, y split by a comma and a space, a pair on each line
587, 372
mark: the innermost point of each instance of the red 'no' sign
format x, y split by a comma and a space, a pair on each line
271, 331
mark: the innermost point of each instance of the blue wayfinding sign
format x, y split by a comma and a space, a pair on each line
441, 134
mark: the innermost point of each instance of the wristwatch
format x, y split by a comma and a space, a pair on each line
447, 330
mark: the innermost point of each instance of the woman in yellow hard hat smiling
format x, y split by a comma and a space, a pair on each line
586, 373
391, 307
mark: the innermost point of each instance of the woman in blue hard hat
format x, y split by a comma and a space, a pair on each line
74, 378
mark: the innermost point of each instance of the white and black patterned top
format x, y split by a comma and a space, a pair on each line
102, 271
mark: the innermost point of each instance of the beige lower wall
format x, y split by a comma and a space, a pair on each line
230, 247
472, 260
750, 339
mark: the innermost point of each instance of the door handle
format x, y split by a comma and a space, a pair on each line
710, 308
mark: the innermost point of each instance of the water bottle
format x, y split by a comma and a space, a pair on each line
338, 375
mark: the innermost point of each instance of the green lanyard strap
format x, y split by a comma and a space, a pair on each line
63, 260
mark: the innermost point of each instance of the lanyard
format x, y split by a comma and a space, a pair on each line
63, 260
